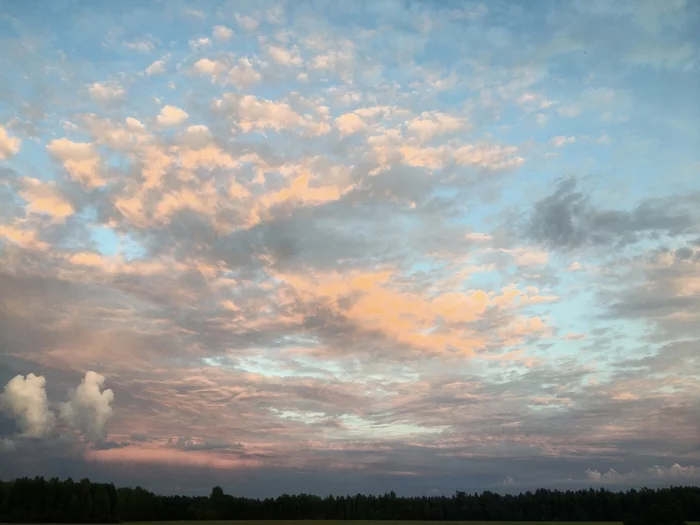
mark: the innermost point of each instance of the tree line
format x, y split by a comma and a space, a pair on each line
38, 500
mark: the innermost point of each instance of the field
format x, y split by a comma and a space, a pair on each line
370, 522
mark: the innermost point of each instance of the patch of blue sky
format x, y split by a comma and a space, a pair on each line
109, 242
369, 429
270, 367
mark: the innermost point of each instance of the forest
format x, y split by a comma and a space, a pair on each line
39, 500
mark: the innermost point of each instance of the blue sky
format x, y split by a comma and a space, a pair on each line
352, 241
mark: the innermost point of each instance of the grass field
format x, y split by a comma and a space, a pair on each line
378, 522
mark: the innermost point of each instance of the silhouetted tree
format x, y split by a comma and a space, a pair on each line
37, 500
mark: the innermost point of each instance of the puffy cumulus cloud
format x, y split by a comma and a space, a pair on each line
24, 399
106, 91
240, 72
9, 145
429, 125
222, 33
80, 159
87, 410
44, 197
284, 56
350, 123
171, 116
561, 140
206, 66
89, 406
243, 74
156, 67
250, 113
23, 235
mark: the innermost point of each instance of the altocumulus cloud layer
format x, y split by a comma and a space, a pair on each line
309, 246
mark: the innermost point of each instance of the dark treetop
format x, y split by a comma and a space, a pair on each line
55, 501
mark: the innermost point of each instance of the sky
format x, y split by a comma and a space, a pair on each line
341, 247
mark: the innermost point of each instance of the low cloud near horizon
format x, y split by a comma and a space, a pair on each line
306, 246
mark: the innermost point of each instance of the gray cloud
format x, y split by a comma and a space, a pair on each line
567, 219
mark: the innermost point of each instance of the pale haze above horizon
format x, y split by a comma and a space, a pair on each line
341, 247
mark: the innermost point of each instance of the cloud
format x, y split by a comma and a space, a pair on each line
429, 125
560, 141
206, 66
350, 123
9, 145
199, 43
284, 56
80, 159
45, 198
24, 399
352, 258
222, 33
171, 116
89, 406
140, 46
567, 219
243, 74
247, 23
250, 113
156, 67
106, 91
675, 474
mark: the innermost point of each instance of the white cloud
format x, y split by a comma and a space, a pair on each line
561, 140
250, 113
156, 68
494, 158
24, 399
478, 236
44, 197
171, 116
89, 407
575, 266
243, 74
106, 91
199, 43
246, 22
431, 124
350, 123
134, 125
9, 146
222, 33
206, 66
80, 159
142, 46
283, 56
